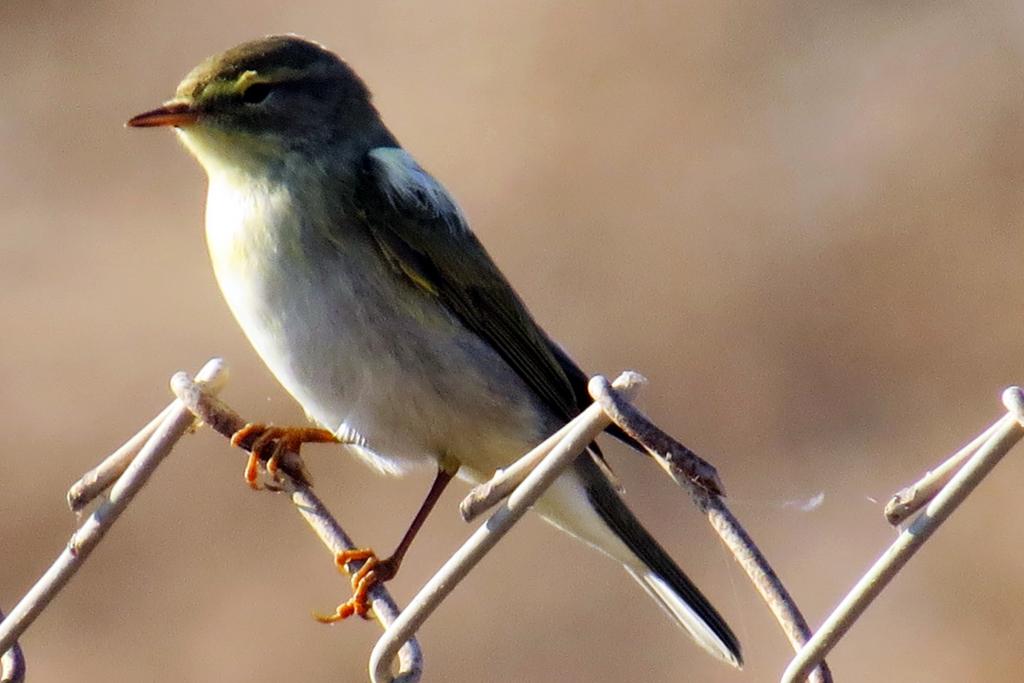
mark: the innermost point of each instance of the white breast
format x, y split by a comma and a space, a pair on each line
359, 350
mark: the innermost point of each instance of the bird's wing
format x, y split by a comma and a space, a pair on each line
422, 234
579, 381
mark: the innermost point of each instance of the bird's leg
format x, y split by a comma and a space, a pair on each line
267, 442
374, 570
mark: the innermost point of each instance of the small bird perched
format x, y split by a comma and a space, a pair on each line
357, 279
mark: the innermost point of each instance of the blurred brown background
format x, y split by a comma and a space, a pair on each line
801, 220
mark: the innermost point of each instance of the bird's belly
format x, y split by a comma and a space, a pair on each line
365, 353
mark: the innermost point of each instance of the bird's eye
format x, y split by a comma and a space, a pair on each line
256, 93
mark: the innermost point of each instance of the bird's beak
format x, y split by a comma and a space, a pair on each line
175, 114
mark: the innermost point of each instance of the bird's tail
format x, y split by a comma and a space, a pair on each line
662, 578
619, 534
715, 638
600, 517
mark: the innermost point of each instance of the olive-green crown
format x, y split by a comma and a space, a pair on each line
271, 60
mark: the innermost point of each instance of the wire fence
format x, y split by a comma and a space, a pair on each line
513, 490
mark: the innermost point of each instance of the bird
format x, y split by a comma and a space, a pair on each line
357, 279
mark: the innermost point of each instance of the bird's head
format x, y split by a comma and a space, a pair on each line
262, 103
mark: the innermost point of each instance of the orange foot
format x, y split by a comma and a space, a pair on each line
372, 572
266, 442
